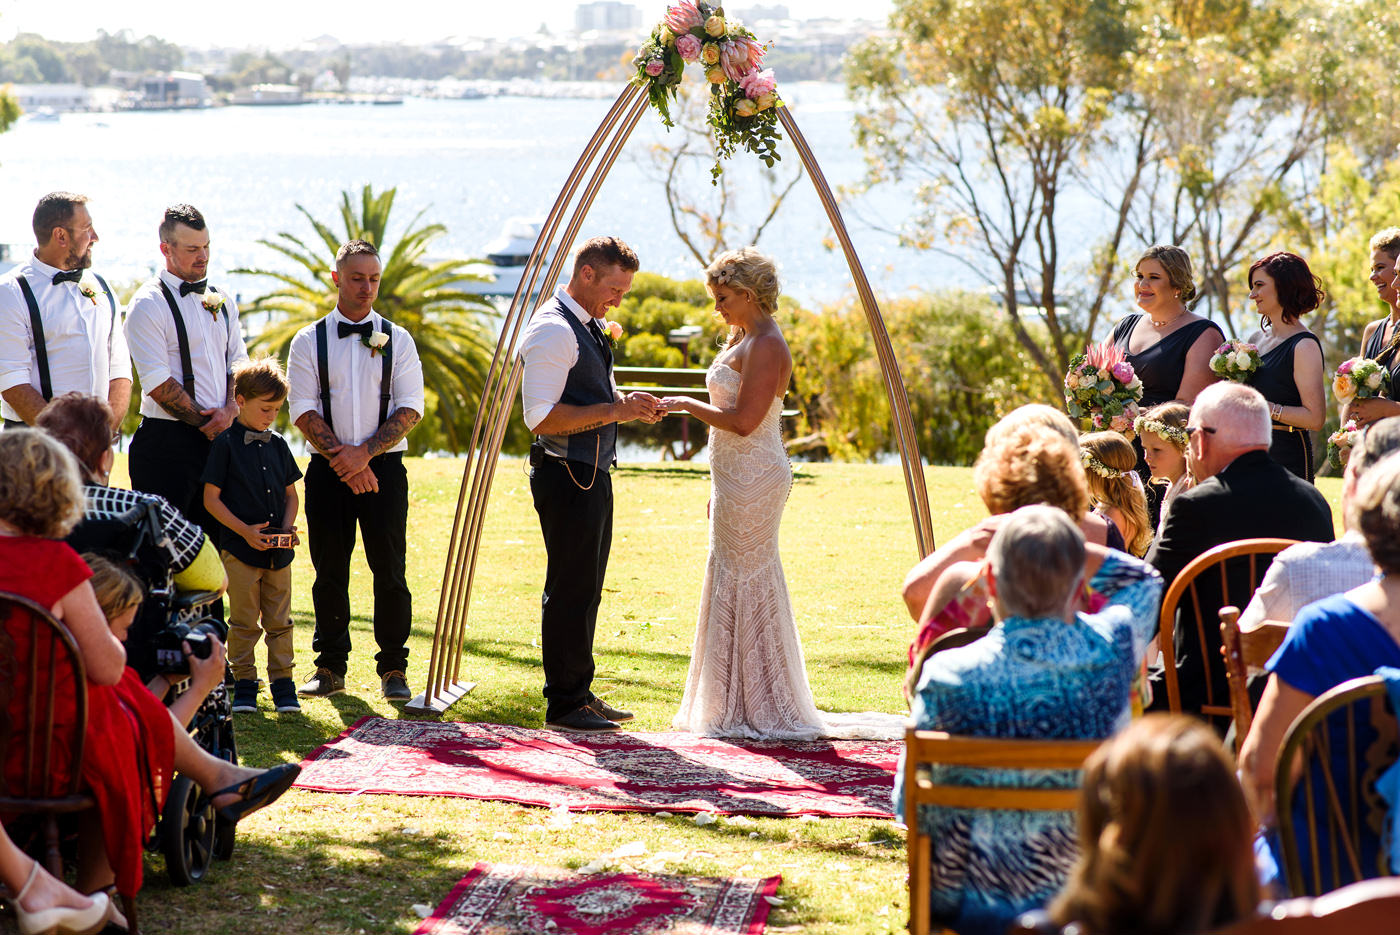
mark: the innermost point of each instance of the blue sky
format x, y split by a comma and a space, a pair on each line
278, 23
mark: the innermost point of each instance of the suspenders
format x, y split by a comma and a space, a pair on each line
323, 372
36, 325
182, 338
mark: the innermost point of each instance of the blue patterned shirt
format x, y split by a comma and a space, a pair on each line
1041, 679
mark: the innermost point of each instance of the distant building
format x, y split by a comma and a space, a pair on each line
606, 16
57, 98
270, 94
174, 89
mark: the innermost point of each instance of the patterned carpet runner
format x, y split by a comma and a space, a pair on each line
499, 899
623, 771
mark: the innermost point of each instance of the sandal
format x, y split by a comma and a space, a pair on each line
59, 920
258, 791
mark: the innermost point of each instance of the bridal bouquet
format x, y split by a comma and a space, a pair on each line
1235, 361
1102, 387
743, 98
1359, 378
1339, 444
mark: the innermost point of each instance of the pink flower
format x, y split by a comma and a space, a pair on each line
1098, 420
1103, 355
683, 17
734, 56
614, 330
1347, 365
1121, 422
1122, 372
655, 67
689, 47
1224, 348
758, 83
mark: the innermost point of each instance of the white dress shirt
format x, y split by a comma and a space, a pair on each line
355, 377
216, 343
86, 347
549, 349
1307, 572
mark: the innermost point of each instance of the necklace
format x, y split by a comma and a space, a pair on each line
1163, 324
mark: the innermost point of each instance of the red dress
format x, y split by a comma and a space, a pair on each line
129, 746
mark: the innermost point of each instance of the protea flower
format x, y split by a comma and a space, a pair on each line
683, 17
1104, 355
740, 56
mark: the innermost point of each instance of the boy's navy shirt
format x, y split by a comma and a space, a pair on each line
252, 477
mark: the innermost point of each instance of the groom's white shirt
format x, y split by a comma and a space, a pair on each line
549, 349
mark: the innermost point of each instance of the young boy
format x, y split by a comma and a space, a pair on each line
250, 488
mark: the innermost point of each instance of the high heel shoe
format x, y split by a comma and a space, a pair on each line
59, 920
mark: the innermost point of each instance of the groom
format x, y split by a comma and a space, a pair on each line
572, 405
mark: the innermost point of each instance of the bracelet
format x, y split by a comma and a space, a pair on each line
1276, 411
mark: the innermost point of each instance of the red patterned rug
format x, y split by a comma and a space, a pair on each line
623, 771
498, 899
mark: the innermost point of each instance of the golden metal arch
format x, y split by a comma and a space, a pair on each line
444, 684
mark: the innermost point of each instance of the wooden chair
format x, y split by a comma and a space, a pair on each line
1220, 559
1246, 649
1338, 799
925, 748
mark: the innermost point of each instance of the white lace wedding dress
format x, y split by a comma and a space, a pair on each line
747, 675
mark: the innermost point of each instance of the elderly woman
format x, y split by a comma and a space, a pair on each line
1333, 640
1045, 671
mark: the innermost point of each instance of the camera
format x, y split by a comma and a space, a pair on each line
170, 654
280, 538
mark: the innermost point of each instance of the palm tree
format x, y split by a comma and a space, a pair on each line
450, 327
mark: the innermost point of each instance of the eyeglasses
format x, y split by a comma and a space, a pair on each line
1193, 429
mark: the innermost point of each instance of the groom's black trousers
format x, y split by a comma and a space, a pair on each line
577, 527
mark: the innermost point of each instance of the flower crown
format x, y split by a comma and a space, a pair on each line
1168, 433
1092, 463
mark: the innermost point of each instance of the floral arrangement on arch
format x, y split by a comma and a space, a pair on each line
744, 98
1102, 387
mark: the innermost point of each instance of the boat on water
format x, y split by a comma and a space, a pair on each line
501, 271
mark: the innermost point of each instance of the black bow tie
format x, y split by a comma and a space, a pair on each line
249, 437
187, 287
364, 329
72, 275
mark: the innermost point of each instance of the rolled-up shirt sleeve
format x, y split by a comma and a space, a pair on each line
237, 350
301, 374
146, 340
15, 342
549, 351
407, 387
118, 355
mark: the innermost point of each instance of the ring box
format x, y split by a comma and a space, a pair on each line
281, 538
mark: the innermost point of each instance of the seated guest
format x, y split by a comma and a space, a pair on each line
1045, 672
1003, 488
1240, 493
132, 743
1332, 640
42, 903
1310, 571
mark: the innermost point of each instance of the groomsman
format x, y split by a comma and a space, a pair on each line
357, 391
572, 405
185, 341
60, 330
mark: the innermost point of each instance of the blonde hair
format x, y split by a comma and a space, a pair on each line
1387, 240
41, 488
1034, 414
1165, 835
1172, 415
1027, 464
1177, 263
117, 589
747, 270
1110, 462
1375, 512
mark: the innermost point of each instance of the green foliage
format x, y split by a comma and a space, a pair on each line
453, 329
32, 59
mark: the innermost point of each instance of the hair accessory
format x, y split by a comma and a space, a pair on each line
1168, 433
1092, 463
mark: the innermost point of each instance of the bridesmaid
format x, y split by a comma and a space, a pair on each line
1290, 374
1379, 340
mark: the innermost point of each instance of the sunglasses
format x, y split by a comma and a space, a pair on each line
1193, 429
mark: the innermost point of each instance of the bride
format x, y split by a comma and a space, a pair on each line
747, 675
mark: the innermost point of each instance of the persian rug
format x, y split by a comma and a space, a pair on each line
622, 771
500, 899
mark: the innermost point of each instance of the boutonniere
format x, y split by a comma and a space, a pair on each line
87, 289
376, 341
212, 302
613, 330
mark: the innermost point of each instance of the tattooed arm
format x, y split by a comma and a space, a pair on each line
315, 430
220, 417
352, 459
171, 397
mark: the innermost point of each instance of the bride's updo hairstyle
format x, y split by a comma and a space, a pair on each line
747, 270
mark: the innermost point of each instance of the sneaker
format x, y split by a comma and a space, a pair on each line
583, 720
395, 686
323, 684
284, 696
245, 696
601, 708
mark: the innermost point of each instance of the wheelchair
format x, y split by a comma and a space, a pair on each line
189, 833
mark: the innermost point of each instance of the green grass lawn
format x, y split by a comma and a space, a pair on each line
358, 864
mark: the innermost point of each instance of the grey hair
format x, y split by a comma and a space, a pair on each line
1379, 440
1238, 413
1036, 557
1034, 414
1377, 511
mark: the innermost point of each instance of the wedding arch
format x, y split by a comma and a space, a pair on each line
735, 78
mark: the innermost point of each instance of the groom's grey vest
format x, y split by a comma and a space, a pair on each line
589, 383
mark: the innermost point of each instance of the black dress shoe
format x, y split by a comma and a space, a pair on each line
582, 720
601, 708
